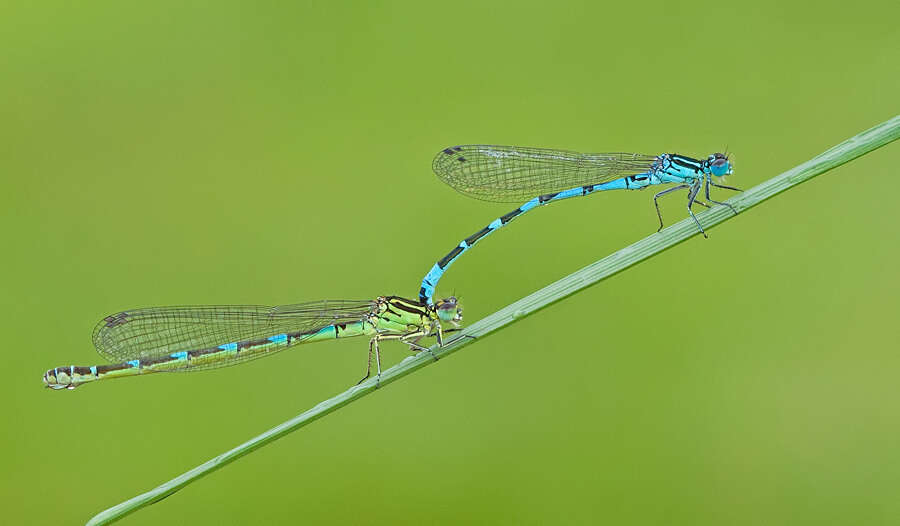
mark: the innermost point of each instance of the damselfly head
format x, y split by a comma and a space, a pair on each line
448, 310
719, 164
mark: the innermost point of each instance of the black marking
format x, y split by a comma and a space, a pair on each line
458, 148
506, 218
407, 308
449, 257
585, 190
116, 319
461, 159
113, 367
83, 371
201, 352
159, 359
547, 197
471, 240
683, 158
301, 335
687, 162
388, 310
254, 343
448, 151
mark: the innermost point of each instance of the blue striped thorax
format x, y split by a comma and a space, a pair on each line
675, 168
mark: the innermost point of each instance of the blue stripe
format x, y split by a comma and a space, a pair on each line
179, 355
134, 363
229, 347
94, 370
530, 204
278, 338
573, 192
434, 274
429, 283
330, 328
616, 184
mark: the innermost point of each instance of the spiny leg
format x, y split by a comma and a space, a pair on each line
713, 183
456, 329
373, 348
709, 182
664, 192
692, 196
410, 339
438, 335
378, 363
439, 332
418, 348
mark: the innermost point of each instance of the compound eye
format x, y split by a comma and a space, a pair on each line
719, 166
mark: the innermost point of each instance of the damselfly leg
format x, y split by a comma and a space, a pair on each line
660, 194
709, 183
408, 339
692, 197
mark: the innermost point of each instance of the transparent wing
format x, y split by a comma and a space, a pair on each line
516, 173
157, 332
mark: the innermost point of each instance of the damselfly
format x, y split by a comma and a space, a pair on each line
514, 173
192, 338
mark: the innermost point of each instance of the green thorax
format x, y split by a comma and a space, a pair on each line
396, 314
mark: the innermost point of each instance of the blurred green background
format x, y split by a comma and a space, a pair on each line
180, 153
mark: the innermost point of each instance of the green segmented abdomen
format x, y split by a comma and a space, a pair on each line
218, 356
204, 337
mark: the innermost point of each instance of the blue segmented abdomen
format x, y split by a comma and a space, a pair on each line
429, 283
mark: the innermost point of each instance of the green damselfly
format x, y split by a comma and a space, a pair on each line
192, 338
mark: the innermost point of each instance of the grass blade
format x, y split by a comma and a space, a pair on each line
848, 150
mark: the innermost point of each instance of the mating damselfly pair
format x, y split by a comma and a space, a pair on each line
194, 338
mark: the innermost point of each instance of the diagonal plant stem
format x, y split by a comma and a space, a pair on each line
844, 152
